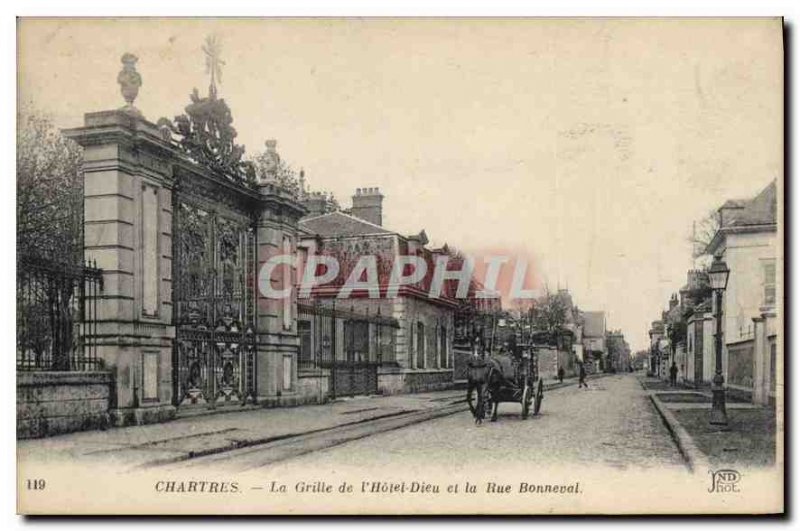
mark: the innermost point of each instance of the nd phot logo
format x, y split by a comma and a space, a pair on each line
726, 480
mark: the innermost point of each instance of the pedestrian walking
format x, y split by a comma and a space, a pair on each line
673, 375
582, 376
561, 375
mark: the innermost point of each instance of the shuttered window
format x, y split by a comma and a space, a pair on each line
769, 283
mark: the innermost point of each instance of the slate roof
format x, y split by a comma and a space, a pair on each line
340, 224
760, 210
750, 215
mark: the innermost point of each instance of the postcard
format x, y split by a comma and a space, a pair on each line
400, 266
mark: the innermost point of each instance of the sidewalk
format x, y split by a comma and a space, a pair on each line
748, 440
188, 437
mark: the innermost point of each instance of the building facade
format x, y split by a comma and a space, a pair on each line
420, 357
594, 340
747, 240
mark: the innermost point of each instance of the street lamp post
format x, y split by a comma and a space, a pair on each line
718, 278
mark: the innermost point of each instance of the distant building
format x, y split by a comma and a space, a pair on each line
571, 352
619, 352
594, 339
656, 334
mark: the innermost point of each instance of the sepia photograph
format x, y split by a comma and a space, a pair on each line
400, 266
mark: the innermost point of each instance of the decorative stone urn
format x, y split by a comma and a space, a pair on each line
129, 82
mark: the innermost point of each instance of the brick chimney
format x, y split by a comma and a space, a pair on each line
368, 205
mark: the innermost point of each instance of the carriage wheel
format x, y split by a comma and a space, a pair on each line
537, 401
526, 401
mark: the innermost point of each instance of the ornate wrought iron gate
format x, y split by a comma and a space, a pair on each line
214, 261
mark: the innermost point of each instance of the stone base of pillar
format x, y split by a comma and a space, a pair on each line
141, 415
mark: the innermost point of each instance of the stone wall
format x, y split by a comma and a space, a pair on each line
551, 359
313, 385
425, 380
49, 403
390, 381
740, 365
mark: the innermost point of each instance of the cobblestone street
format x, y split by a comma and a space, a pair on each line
612, 423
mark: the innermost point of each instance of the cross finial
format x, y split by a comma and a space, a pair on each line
213, 50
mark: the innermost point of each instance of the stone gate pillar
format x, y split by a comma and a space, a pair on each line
127, 175
278, 341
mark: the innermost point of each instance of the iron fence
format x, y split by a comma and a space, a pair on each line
338, 334
57, 315
350, 343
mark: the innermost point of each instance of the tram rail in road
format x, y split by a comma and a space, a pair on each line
264, 453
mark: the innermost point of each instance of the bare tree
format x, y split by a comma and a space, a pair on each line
49, 190
703, 232
549, 313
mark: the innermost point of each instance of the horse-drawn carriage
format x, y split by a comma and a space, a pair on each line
509, 376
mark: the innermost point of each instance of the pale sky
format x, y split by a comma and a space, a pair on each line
590, 145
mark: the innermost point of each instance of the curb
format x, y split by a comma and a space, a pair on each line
694, 458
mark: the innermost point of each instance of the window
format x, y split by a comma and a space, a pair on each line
386, 344
769, 283
304, 331
302, 260
443, 357
420, 345
356, 340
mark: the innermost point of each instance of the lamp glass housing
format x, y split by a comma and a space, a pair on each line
718, 274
